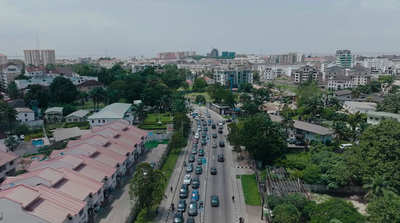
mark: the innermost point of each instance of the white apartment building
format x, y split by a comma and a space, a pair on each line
8, 74
238, 76
32, 57
25, 115
22, 84
3, 59
48, 57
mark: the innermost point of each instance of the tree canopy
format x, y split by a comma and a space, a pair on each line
63, 90
336, 208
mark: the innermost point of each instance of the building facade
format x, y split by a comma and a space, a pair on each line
32, 57
8, 74
305, 73
3, 59
344, 58
238, 76
48, 57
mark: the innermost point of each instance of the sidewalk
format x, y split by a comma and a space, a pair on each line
119, 207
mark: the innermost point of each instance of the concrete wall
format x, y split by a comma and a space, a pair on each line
318, 188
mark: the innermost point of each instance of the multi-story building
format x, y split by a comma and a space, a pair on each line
214, 53
288, 58
344, 58
3, 59
305, 73
176, 55
8, 73
339, 82
238, 76
48, 57
360, 75
111, 113
22, 84
32, 57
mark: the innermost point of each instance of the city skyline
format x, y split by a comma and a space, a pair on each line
100, 28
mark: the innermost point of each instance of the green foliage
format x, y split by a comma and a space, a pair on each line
81, 125
177, 140
263, 138
147, 186
233, 136
274, 200
391, 103
312, 174
37, 93
298, 161
216, 92
33, 136
68, 109
199, 84
336, 208
250, 190
21, 129
246, 87
201, 99
300, 206
385, 208
98, 95
8, 114
286, 213
11, 143
13, 91
63, 90
307, 91
181, 120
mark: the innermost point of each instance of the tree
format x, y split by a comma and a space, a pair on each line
8, 114
37, 93
216, 92
181, 120
83, 97
147, 186
245, 98
287, 122
377, 186
63, 90
306, 91
21, 129
185, 85
250, 108
340, 129
229, 98
140, 112
285, 213
13, 91
98, 95
233, 137
152, 95
378, 153
263, 138
50, 66
11, 143
177, 140
312, 174
200, 99
246, 87
355, 120
335, 103
336, 208
391, 103
384, 208
68, 109
199, 84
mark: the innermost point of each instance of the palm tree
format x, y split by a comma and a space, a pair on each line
340, 129
245, 97
355, 92
165, 102
97, 94
140, 113
377, 186
8, 114
11, 143
315, 104
250, 108
285, 104
391, 103
335, 103
83, 97
328, 95
287, 122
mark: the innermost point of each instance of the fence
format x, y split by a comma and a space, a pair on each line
348, 190
157, 137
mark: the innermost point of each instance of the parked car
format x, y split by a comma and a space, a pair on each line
213, 171
299, 143
189, 168
199, 170
220, 158
192, 208
214, 201
181, 206
214, 145
228, 120
221, 144
178, 218
187, 179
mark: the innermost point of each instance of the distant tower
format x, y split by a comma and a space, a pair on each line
3, 59
214, 53
32, 57
344, 58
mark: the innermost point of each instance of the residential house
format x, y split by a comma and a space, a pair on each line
23, 84
374, 117
25, 115
111, 113
77, 116
306, 131
209, 80
346, 95
54, 114
17, 103
35, 71
13, 211
363, 107
8, 163
89, 85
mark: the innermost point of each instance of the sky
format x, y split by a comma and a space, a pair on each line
124, 28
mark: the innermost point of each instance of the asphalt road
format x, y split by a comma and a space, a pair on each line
220, 184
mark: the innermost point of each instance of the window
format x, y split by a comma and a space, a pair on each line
26, 120
92, 121
26, 115
11, 163
104, 121
98, 193
99, 121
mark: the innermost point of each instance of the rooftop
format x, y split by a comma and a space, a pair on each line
113, 111
79, 113
317, 129
24, 110
90, 83
361, 105
54, 109
6, 157
384, 114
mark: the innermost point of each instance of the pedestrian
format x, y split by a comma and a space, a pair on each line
233, 199
171, 189
156, 211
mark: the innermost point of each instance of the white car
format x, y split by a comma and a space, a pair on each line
187, 179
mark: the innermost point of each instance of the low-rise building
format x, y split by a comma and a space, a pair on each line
363, 107
8, 163
77, 116
111, 113
306, 131
346, 95
374, 117
25, 115
54, 114
238, 76
89, 85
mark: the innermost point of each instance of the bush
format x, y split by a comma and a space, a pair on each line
34, 136
285, 213
81, 125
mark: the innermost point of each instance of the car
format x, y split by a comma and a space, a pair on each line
214, 201
194, 151
220, 158
190, 220
220, 126
214, 135
204, 123
196, 141
22, 137
191, 159
213, 126
228, 120
344, 146
200, 161
201, 152
183, 192
181, 206
195, 183
178, 218
213, 171
192, 208
197, 118
205, 129
199, 129
208, 116
195, 145
153, 165
202, 118
195, 195
214, 145
187, 179
220, 131
189, 168
199, 170
221, 144
204, 135
203, 142
291, 141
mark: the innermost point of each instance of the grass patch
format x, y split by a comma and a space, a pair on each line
250, 191
152, 119
54, 126
152, 127
289, 87
154, 144
192, 96
238, 176
169, 164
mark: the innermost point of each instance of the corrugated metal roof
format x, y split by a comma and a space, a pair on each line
54, 109
6, 157
317, 129
113, 111
79, 113
21, 194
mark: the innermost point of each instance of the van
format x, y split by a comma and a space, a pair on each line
344, 146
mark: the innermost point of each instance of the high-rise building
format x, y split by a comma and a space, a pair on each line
344, 58
32, 57
3, 59
214, 53
48, 57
